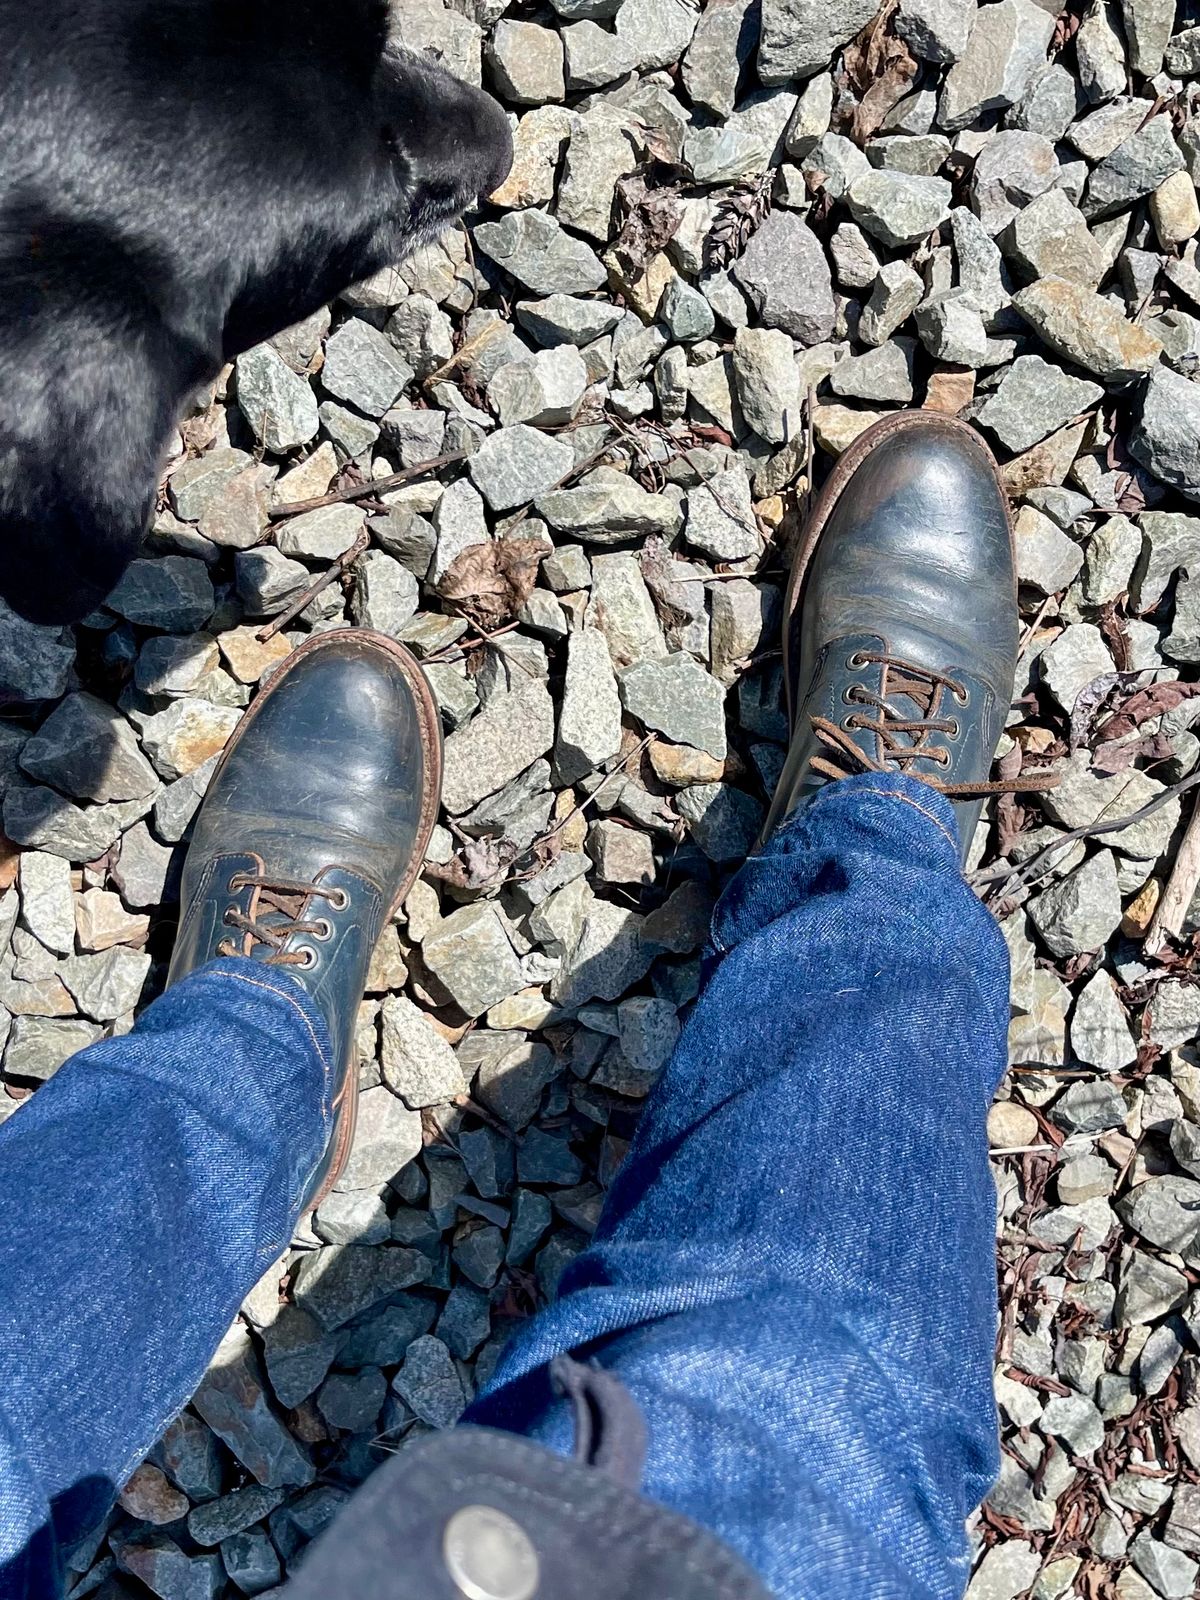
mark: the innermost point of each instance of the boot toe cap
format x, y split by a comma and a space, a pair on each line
919, 543
337, 763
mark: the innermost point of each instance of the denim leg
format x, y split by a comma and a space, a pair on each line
144, 1191
794, 1273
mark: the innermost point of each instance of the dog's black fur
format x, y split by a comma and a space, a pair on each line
179, 179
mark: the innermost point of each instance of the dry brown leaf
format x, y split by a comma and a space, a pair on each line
489, 583
1011, 818
1115, 632
880, 66
479, 864
1119, 756
1037, 741
1132, 497
1009, 764
1089, 703
857, 56
1154, 701
1065, 29
652, 219
713, 434
887, 91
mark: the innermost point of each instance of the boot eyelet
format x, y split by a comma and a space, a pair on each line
963, 698
850, 723
850, 695
955, 728
310, 958
227, 919
339, 899
857, 659
324, 930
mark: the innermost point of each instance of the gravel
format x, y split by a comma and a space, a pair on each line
800, 36
1164, 438
589, 725
533, 248
279, 406
898, 208
677, 697
516, 464
608, 511
784, 272
171, 593
1006, 47
416, 1062
363, 368
1035, 398
696, 237
1086, 328
1050, 238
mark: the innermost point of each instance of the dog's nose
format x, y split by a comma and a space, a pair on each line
502, 159
454, 138
485, 145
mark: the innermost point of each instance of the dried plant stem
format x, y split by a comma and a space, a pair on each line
346, 559
1167, 921
360, 491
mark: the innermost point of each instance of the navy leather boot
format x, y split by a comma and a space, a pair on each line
313, 828
900, 631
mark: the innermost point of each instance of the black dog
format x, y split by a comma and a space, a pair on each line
179, 180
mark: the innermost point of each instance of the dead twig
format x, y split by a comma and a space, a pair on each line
360, 491
1068, 1144
1167, 921
1027, 871
763, 574
810, 403
346, 559
1041, 1071
544, 839
463, 647
1028, 633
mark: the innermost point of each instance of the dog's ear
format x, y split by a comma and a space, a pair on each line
77, 483
90, 386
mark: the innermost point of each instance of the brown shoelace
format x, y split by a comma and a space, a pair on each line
905, 739
286, 898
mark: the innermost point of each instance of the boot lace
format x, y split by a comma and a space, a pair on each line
283, 899
904, 731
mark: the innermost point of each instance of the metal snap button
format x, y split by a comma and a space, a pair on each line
489, 1556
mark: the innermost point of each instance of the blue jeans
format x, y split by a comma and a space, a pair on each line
793, 1275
